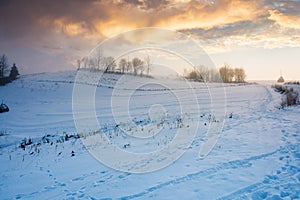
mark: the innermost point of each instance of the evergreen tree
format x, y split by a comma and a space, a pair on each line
14, 72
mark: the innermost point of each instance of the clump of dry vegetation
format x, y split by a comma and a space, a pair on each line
290, 97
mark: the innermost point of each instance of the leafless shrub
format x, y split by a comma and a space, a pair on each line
290, 97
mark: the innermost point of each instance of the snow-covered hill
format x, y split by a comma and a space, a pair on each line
257, 155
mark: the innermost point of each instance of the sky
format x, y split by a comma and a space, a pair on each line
262, 36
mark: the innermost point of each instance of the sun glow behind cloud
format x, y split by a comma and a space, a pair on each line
270, 28
71, 28
210, 15
285, 21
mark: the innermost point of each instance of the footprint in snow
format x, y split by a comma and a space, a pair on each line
19, 196
78, 179
83, 188
49, 188
62, 184
100, 181
124, 175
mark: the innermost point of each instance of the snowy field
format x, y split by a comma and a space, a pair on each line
257, 155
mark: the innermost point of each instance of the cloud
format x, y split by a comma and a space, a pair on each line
96, 20
89, 18
207, 15
144, 4
75, 29
273, 26
72, 28
262, 33
284, 20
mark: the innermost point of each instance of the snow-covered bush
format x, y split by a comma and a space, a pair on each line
292, 97
289, 98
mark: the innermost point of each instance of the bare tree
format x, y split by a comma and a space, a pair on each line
99, 59
3, 65
92, 64
204, 73
84, 62
148, 64
230, 74
78, 64
223, 73
128, 66
122, 65
137, 65
227, 73
239, 75
110, 64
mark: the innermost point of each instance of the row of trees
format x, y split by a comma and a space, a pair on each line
136, 66
229, 74
202, 74
98, 62
226, 74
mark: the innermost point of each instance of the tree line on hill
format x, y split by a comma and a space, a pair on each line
98, 62
142, 67
227, 74
7, 75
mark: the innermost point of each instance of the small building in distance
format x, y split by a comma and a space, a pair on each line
280, 80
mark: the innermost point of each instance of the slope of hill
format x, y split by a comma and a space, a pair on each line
256, 155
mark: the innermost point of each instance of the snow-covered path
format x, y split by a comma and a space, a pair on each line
256, 157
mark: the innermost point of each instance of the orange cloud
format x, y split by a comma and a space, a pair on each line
195, 15
176, 16
220, 21
285, 21
112, 27
73, 28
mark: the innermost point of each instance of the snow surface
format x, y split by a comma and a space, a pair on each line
257, 156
